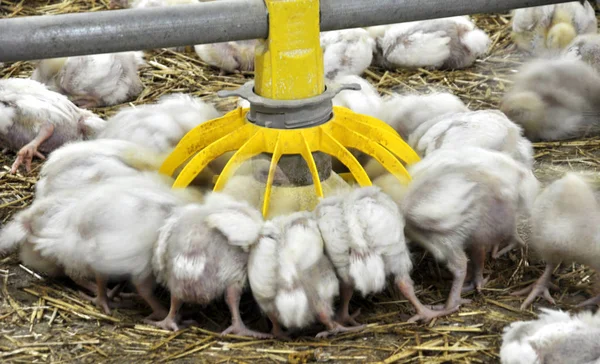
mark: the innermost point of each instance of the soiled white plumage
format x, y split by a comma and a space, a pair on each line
79, 164
159, 126
489, 129
34, 119
555, 99
95, 80
554, 337
545, 30
564, 228
466, 197
232, 57
585, 47
291, 278
447, 43
202, 253
346, 52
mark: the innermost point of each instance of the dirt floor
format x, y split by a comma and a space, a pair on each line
46, 321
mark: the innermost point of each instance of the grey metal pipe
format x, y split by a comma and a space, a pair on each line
39, 37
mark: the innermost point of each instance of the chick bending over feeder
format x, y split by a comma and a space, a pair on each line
290, 119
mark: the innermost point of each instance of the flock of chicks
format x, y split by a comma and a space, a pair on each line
103, 214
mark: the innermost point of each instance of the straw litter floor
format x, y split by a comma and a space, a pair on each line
46, 321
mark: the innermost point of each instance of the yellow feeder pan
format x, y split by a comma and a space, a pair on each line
290, 114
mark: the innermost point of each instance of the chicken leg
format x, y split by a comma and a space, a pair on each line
26, 154
343, 315
145, 287
423, 313
276, 330
477, 253
457, 264
101, 300
169, 322
540, 287
232, 297
333, 328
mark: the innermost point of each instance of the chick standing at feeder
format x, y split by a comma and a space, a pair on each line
80, 164
291, 278
93, 81
363, 232
34, 119
159, 126
554, 337
564, 228
466, 199
201, 255
585, 47
90, 246
545, 30
231, 57
346, 52
447, 43
489, 129
555, 99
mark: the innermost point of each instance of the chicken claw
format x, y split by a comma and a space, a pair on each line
540, 287
25, 155
425, 314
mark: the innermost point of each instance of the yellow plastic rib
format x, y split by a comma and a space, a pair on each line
224, 144
290, 65
352, 139
312, 167
201, 136
379, 131
252, 147
332, 147
274, 160
344, 112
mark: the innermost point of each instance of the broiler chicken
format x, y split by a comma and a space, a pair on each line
363, 232
466, 199
90, 244
202, 254
546, 30
346, 52
95, 80
585, 47
555, 99
564, 229
291, 278
34, 119
446, 43
554, 337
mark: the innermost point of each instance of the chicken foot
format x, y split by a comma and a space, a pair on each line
26, 154
477, 253
232, 297
405, 285
145, 288
276, 330
102, 299
515, 241
457, 264
333, 327
540, 287
171, 321
343, 315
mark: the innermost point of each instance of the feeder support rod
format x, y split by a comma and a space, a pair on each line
50, 36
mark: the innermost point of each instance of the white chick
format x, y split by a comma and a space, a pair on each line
585, 47
489, 129
447, 43
346, 52
365, 101
201, 255
555, 337
363, 232
407, 112
95, 80
564, 228
545, 30
159, 126
34, 119
90, 244
232, 57
554, 99
466, 198
291, 278
80, 164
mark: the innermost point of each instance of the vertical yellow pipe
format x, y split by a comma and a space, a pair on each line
290, 64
